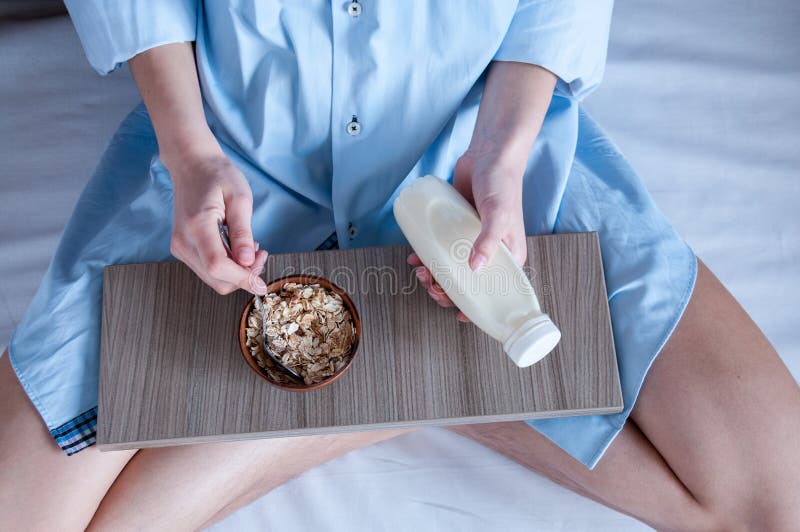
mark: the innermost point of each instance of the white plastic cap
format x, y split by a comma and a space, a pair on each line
532, 341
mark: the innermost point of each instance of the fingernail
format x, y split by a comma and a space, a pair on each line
257, 245
478, 261
260, 286
419, 273
245, 254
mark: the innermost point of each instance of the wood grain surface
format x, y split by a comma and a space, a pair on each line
171, 371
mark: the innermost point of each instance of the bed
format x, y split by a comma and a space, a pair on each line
701, 96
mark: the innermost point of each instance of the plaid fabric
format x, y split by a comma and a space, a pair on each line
78, 433
81, 432
332, 242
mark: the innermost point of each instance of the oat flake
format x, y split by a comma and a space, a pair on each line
308, 327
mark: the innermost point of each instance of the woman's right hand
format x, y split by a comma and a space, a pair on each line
207, 189
207, 186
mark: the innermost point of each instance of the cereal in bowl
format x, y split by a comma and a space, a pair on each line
308, 328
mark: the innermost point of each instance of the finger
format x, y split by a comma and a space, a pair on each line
255, 281
462, 180
429, 282
462, 318
221, 287
424, 276
238, 212
261, 260
414, 260
438, 293
255, 284
493, 224
435, 291
213, 259
440, 298
518, 247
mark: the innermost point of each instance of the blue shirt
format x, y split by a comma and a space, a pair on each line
328, 109
283, 82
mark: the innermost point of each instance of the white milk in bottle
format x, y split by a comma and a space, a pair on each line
441, 226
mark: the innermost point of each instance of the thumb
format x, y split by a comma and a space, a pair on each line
488, 239
462, 180
238, 212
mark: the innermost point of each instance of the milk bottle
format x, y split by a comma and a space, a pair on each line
441, 226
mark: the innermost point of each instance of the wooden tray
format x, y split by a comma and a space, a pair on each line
171, 370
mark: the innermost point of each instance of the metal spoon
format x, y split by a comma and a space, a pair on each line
223, 232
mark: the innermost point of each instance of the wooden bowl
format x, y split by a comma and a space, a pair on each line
275, 286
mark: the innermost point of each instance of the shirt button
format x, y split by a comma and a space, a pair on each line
354, 8
353, 127
351, 230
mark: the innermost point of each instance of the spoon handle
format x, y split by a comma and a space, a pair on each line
223, 233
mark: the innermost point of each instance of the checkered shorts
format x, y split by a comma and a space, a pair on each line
81, 432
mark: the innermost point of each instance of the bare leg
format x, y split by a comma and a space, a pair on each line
41, 488
729, 444
724, 412
190, 487
631, 478
714, 441
174, 487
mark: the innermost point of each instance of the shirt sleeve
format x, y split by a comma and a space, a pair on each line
567, 37
113, 31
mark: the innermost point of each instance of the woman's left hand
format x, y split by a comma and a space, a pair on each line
489, 175
494, 187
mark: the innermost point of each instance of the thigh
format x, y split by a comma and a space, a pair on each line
712, 440
631, 477
724, 411
189, 487
41, 488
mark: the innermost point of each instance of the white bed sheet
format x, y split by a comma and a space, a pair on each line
701, 96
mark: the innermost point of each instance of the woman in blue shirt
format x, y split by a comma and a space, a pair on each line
298, 123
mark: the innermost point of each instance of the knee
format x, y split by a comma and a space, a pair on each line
774, 513
768, 511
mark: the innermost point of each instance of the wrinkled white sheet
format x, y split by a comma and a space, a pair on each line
701, 96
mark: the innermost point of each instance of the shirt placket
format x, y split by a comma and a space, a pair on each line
348, 122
